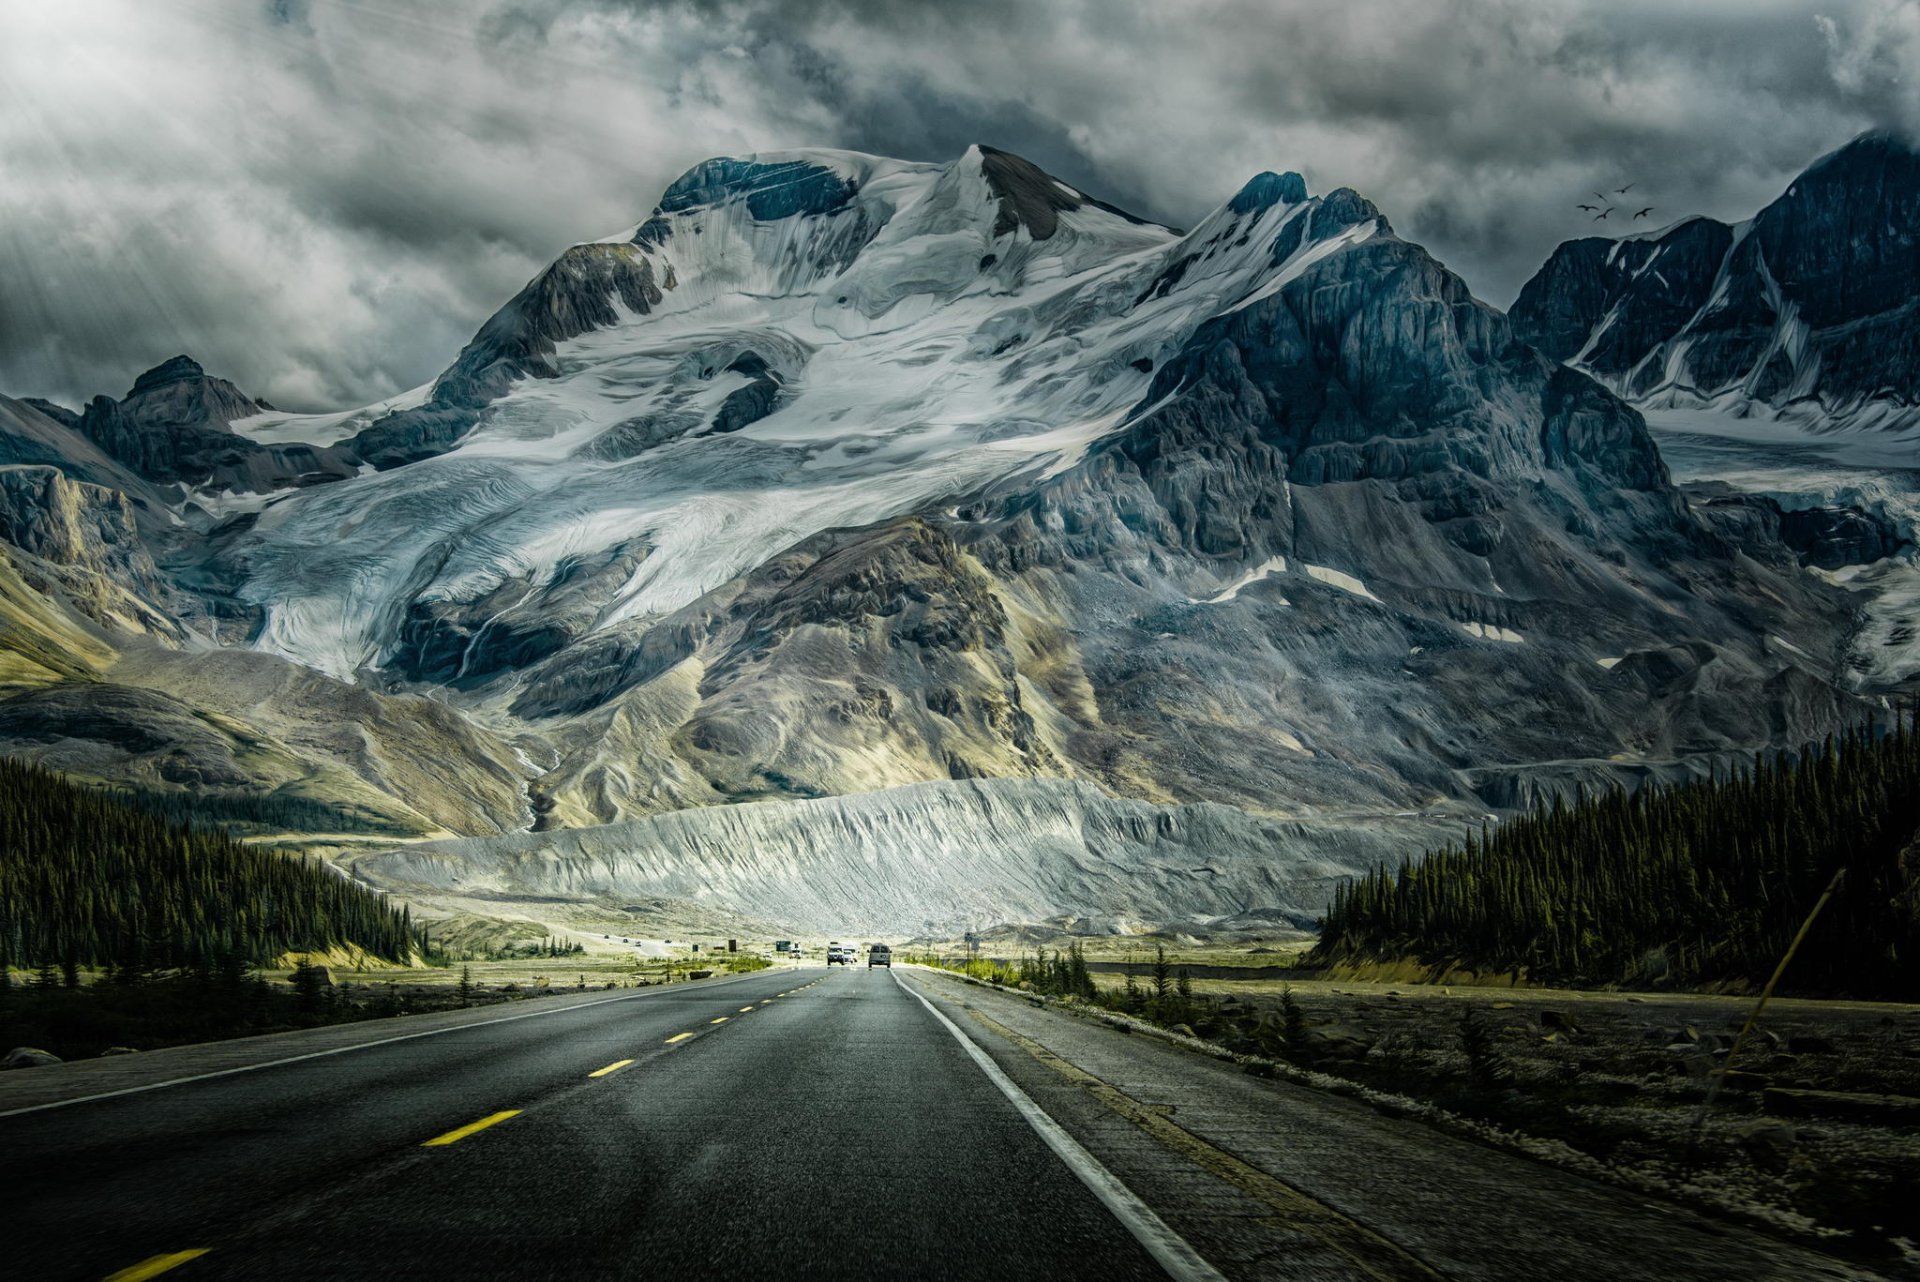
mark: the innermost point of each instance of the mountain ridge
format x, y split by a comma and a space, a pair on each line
1804, 312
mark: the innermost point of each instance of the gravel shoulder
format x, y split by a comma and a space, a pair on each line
1374, 1195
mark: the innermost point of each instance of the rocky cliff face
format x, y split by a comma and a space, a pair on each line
1805, 311
83, 541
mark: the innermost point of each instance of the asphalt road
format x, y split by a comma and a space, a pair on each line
791, 1124
809, 1124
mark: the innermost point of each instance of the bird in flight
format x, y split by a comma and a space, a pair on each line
1643, 213
1621, 191
1588, 208
1600, 196
1603, 213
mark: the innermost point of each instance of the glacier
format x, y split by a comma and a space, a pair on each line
919, 351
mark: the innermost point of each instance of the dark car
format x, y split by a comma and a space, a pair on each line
879, 955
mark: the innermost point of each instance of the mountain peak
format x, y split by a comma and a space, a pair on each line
1266, 189
773, 188
168, 371
1031, 197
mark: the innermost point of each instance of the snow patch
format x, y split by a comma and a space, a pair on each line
1272, 565
1340, 579
271, 427
1492, 632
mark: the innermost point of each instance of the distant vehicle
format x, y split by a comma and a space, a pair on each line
840, 954
879, 955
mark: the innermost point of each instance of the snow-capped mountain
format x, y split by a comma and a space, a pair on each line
789, 344
941, 484
1805, 314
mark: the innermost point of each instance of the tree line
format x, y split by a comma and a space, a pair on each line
88, 879
1683, 885
260, 811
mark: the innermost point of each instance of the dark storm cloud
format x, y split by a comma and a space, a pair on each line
323, 200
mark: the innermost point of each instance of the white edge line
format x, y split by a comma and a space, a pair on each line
1171, 1251
337, 1050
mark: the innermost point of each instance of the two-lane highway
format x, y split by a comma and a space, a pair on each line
785, 1124
791, 1124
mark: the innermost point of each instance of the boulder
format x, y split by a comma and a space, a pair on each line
1337, 1044
29, 1057
1769, 1144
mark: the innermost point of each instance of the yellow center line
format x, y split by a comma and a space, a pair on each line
156, 1266
678, 1037
454, 1137
723, 1019
614, 1067
745, 1009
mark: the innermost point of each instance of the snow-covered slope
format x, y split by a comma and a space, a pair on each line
834, 339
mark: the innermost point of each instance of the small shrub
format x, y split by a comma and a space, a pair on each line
1486, 1066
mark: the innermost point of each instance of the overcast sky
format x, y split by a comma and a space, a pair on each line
323, 200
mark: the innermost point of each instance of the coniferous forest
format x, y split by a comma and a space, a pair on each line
1702, 883
87, 879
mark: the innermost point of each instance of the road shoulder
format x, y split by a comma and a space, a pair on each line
1266, 1176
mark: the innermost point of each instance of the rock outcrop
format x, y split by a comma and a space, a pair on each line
173, 426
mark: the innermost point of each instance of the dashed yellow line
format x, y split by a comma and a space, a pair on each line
154, 1267
678, 1037
745, 1009
454, 1137
723, 1019
614, 1067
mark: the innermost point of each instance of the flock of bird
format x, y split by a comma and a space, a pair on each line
1606, 205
